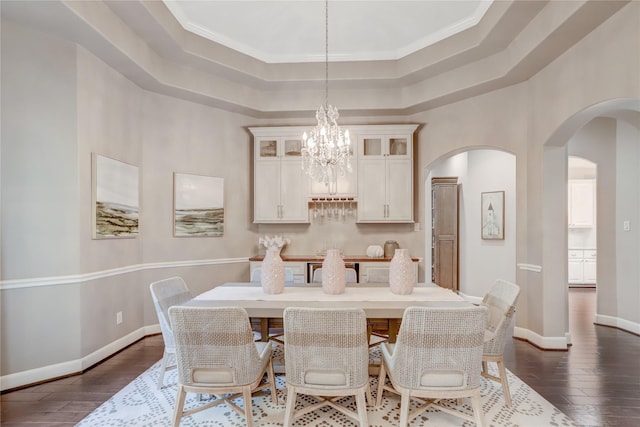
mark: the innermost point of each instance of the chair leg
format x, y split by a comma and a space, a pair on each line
163, 369
505, 382
248, 405
291, 405
476, 404
381, 379
404, 409
177, 413
272, 380
361, 403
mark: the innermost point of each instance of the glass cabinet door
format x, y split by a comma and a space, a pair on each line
398, 147
268, 148
372, 147
292, 148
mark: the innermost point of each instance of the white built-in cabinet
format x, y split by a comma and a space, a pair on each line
279, 190
582, 266
385, 174
581, 203
381, 182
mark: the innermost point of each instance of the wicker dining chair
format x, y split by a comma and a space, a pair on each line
501, 303
217, 355
166, 293
327, 357
438, 355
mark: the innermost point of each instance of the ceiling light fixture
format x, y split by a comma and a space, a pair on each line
326, 151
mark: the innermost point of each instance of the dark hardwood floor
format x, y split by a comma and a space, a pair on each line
596, 382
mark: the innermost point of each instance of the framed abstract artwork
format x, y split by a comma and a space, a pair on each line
115, 198
198, 205
492, 211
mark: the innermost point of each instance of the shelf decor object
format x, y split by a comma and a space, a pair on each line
275, 242
326, 149
272, 274
402, 277
333, 274
493, 215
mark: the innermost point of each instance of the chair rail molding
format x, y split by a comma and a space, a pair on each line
79, 278
530, 267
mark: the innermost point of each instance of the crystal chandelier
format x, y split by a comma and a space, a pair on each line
326, 150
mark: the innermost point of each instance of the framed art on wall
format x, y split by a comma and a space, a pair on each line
492, 215
115, 198
198, 205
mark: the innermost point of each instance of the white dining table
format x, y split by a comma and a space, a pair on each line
376, 299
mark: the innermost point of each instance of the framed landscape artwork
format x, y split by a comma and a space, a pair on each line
198, 205
115, 198
493, 215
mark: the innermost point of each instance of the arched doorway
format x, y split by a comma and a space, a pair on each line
480, 261
608, 134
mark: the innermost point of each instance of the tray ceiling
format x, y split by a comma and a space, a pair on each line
293, 31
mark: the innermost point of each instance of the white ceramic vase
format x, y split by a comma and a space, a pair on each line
401, 273
272, 274
333, 275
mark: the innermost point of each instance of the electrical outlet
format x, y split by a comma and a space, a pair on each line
118, 318
626, 225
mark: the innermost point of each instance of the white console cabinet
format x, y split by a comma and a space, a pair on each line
297, 268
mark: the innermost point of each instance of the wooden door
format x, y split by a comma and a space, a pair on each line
444, 200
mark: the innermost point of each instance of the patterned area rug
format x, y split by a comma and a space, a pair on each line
140, 403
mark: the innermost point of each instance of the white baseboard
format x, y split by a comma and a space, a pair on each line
546, 343
616, 322
45, 373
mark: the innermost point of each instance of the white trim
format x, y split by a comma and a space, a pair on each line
80, 278
530, 267
619, 323
74, 366
546, 343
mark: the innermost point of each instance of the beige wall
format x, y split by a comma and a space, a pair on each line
61, 94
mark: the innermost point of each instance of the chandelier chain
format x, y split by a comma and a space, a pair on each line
326, 53
326, 151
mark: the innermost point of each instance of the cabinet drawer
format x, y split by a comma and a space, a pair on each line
589, 254
576, 254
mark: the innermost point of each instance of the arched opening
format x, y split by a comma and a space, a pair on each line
480, 261
608, 134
